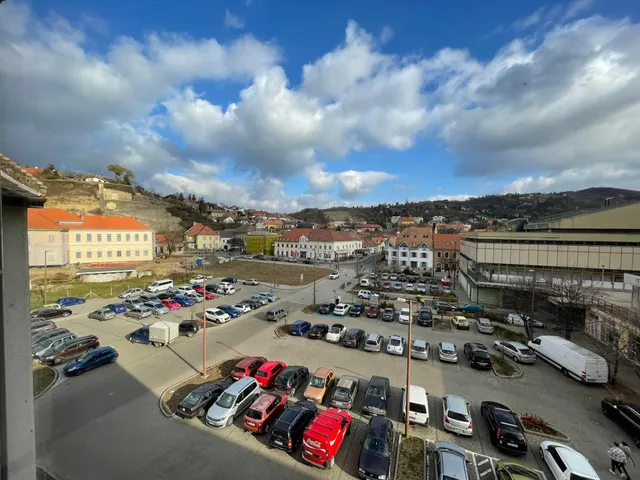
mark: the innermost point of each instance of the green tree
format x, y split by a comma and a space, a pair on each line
121, 173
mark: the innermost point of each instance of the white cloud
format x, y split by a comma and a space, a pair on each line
529, 21
351, 183
577, 8
457, 197
386, 34
233, 21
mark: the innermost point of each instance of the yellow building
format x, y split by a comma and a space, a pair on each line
202, 237
67, 238
260, 243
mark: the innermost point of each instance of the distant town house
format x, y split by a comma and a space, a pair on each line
446, 248
270, 224
202, 237
411, 248
367, 227
321, 244
227, 219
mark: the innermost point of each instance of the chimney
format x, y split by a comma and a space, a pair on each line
194, 224
82, 217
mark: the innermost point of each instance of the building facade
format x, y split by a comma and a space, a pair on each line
411, 248
87, 238
446, 248
202, 237
321, 244
260, 243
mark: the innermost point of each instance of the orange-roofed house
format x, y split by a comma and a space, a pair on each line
411, 248
446, 248
57, 237
322, 244
202, 237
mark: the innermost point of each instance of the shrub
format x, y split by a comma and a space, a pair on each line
503, 366
534, 422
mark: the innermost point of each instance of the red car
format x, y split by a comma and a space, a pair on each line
373, 311
207, 295
323, 437
268, 372
264, 411
171, 305
247, 367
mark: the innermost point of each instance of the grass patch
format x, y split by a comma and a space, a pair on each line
539, 425
411, 459
283, 330
285, 274
442, 325
311, 308
42, 378
216, 372
502, 366
507, 334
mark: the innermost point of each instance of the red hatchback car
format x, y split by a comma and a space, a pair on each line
247, 367
268, 372
171, 305
373, 311
207, 295
324, 436
264, 411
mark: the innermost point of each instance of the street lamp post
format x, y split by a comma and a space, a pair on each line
315, 260
602, 280
204, 322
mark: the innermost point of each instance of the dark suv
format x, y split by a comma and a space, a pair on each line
388, 315
326, 308
505, 430
286, 432
69, 350
199, 400
478, 355
291, 378
425, 317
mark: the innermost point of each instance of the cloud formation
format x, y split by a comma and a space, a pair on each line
233, 21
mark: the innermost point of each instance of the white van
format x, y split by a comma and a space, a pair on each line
418, 405
572, 360
160, 286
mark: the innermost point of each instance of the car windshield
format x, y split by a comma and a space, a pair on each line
192, 399
375, 391
481, 354
461, 417
395, 342
377, 446
84, 358
525, 351
317, 382
281, 381
226, 400
341, 393
239, 370
255, 414
261, 373
419, 348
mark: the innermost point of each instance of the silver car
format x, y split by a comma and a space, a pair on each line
157, 308
447, 352
139, 312
345, 392
420, 350
196, 297
373, 343
450, 461
232, 402
132, 292
517, 351
484, 325
51, 343
457, 415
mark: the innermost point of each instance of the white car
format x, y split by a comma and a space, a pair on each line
516, 319
198, 280
334, 275
243, 307
395, 345
573, 463
457, 415
385, 276
342, 309
132, 292
183, 290
48, 306
409, 287
421, 288
373, 343
404, 316
366, 294
251, 281
216, 315
196, 297
336, 333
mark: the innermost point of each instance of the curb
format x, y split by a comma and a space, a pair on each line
516, 375
56, 378
565, 438
283, 336
397, 459
425, 474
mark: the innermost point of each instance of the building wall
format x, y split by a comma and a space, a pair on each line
208, 242
621, 218
110, 246
54, 242
613, 333
320, 250
403, 256
260, 244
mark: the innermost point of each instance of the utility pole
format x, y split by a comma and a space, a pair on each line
204, 323
408, 384
45, 277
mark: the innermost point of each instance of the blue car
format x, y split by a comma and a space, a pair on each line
397, 287
233, 312
299, 328
117, 307
69, 301
183, 301
92, 359
141, 335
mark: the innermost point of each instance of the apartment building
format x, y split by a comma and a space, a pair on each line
323, 244
597, 247
202, 237
63, 238
260, 243
411, 248
446, 248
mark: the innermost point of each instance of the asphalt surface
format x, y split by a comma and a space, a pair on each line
106, 424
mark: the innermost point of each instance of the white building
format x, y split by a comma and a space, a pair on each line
411, 248
438, 219
322, 244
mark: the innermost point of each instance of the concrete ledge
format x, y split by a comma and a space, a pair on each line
561, 436
279, 333
518, 374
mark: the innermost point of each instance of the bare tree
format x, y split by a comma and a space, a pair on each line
521, 294
174, 240
572, 296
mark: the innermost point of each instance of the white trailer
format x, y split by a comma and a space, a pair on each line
163, 333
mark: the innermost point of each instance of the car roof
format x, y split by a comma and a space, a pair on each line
378, 426
376, 380
353, 331
238, 386
346, 381
478, 346
518, 345
420, 343
339, 325
453, 463
205, 387
264, 401
341, 305
300, 322
323, 372
270, 364
290, 370
447, 345
457, 403
578, 463
396, 337
245, 362
416, 391
373, 336
102, 349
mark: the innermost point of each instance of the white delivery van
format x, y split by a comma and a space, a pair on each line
571, 359
160, 286
163, 333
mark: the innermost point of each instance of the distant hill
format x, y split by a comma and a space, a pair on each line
509, 206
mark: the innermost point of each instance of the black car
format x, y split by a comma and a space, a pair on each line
199, 400
375, 456
211, 288
444, 306
353, 338
326, 308
166, 295
51, 313
290, 379
376, 400
433, 281
388, 315
188, 328
505, 429
318, 331
356, 310
230, 280
252, 303
402, 277
286, 432
478, 355
425, 317
627, 415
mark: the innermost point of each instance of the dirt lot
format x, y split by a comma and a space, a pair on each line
285, 273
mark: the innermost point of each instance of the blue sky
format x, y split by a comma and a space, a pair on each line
285, 104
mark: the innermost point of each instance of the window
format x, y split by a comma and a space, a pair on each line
137, 253
446, 254
127, 237
394, 254
108, 237
423, 264
439, 254
454, 255
146, 253
99, 254
404, 262
146, 237
119, 253
88, 237
52, 238
118, 237
136, 237
556, 458
78, 237
403, 254
128, 253
109, 253
99, 237
414, 254
89, 254
423, 255
78, 255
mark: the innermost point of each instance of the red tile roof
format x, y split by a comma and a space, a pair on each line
33, 170
447, 241
47, 218
413, 237
369, 243
160, 238
200, 229
276, 222
318, 235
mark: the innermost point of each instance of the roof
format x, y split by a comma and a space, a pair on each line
579, 464
369, 243
549, 237
33, 170
324, 422
368, 225
413, 237
263, 402
346, 381
322, 372
160, 238
19, 184
273, 221
261, 234
56, 218
319, 235
446, 241
601, 218
200, 229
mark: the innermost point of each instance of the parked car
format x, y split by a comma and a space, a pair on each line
395, 345
447, 352
47, 306
388, 315
318, 331
324, 436
443, 306
319, 385
478, 355
403, 316
565, 462
373, 343
51, 313
485, 326
386, 285
517, 351
253, 304
188, 328
409, 287
165, 296
41, 336
299, 328
242, 307
68, 350
457, 415
418, 405
247, 367
341, 309
447, 291
366, 294
183, 300
627, 415
433, 281
286, 432
291, 378
260, 300
48, 344
268, 372
356, 310
425, 317
195, 297
434, 289
251, 281
344, 395
230, 280
373, 311
117, 307
397, 287
505, 429
275, 314
89, 360
508, 470
334, 275
133, 303
139, 312
393, 277
102, 314
232, 402
471, 308
42, 325
376, 400
326, 308
264, 411
157, 308
269, 296
450, 462
171, 304
421, 288
461, 322
228, 309
377, 448
131, 293
353, 338
201, 398
402, 277
336, 333
70, 301
420, 349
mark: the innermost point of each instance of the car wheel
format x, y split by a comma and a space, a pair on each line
157, 344
293, 391
57, 361
229, 421
541, 453
564, 372
113, 360
131, 339
66, 314
516, 359
190, 334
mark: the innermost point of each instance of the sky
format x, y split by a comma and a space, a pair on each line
283, 105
